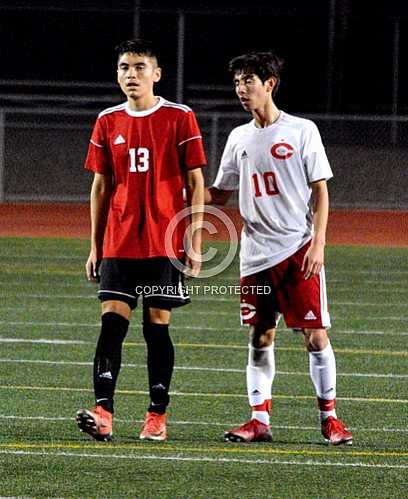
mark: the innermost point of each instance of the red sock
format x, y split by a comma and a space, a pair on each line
327, 408
326, 405
261, 412
265, 406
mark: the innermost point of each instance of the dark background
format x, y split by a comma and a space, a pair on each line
346, 69
70, 40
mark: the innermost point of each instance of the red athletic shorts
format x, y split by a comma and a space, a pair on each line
282, 289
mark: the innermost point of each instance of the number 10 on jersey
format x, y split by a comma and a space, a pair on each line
270, 185
139, 159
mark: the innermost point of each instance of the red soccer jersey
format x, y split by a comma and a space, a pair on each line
148, 154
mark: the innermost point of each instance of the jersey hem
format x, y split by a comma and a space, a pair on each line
271, 262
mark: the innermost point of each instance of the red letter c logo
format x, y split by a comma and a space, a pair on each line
281, 150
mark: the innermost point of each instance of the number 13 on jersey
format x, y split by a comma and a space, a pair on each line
139, 159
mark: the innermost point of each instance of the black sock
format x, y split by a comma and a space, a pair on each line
160, 364
108, 358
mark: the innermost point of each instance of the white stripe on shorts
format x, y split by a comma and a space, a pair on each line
116, 293
324, 311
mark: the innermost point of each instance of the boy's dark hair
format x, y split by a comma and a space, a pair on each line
262, 64
136, 46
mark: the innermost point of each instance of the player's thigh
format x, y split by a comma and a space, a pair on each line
258, 303
164, 287
303, 302
119, 283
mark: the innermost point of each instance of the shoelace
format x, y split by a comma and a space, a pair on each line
153, 423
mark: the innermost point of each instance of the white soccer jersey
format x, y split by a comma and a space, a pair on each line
273, 167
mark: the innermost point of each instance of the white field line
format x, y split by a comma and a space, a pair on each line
176, 327
42, 257
50, 324
351, 351
365, 272
224, 424
46, 259
46, 308
370, 333
59, 285
80, 257
206, 297
364, 400
198, 459
198, 368
332, 282
75, 273
51, 341
45, 341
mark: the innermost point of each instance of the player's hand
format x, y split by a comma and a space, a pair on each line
193, 267
313, 260
92, 267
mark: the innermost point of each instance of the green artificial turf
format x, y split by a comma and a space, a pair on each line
49, 324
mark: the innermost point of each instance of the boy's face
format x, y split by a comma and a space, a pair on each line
137, 74
252, 93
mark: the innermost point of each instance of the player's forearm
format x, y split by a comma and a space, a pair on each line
321, 212
195, 199
100, 197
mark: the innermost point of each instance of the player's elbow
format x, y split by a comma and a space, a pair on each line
217, 196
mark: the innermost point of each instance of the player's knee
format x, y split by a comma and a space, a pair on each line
116, 307
316, 339
156, 315
261, 335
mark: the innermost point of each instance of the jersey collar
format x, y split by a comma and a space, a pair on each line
278, 120
146, 112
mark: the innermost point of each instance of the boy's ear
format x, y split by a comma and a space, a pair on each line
157, 75
271, 83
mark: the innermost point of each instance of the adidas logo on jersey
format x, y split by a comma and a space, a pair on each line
106, 375
244, 155
119, 140
310, 316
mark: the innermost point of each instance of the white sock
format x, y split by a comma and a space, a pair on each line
262, 416
322, 368
325, 414
260, 374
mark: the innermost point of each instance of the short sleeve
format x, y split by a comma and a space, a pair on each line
97, 159
314, 156
227, 178
190, 142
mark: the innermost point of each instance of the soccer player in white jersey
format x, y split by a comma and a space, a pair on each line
279, 165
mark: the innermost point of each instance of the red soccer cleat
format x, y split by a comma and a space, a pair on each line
154, 427
253, 431
96, 422
335, 432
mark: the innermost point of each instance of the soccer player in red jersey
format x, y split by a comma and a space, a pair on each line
278, 163
143, 153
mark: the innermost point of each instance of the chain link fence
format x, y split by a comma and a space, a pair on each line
42, 154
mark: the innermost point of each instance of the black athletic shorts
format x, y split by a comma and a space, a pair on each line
157, 280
